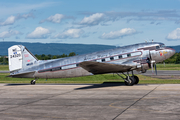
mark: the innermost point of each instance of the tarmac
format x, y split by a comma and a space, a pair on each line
107, 101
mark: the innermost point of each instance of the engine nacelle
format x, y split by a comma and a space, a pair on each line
143, 67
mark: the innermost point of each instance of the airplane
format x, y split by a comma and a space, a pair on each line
139, 57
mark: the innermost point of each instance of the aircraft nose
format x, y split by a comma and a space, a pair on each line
172, 51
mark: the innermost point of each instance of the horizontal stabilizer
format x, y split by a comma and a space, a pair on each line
23, 75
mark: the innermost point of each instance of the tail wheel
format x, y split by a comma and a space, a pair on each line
130, 81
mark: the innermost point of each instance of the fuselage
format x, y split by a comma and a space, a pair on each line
134, 55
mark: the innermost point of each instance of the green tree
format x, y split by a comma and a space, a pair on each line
54, 57
72, 54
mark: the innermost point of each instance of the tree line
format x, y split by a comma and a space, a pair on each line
4, 59
175, 59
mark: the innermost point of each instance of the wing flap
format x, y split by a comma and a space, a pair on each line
100, 68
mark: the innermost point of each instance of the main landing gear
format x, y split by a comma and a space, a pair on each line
33, 82
129, 80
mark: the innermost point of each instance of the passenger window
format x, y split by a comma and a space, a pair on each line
120, 56
103, 60
111, 58
128, 55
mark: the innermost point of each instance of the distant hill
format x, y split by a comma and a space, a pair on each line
54, 48
60, 48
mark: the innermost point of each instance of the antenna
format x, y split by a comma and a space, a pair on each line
145, 40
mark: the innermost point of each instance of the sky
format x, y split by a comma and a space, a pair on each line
110, 22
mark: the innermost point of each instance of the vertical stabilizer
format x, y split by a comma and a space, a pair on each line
15, 58
20, 58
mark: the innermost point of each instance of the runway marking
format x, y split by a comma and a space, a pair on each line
135, 102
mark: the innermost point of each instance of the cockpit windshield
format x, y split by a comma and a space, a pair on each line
160, 46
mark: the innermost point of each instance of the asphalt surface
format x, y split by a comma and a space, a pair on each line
4, 72
107, 101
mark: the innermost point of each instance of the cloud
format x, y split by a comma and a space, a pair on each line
152, 16
39, 33
7, 34
12, 19
162, 15
119, 34
94, 19
174, 35
55, 19
71, 33
9, 21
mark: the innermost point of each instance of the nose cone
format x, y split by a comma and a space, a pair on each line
171, 52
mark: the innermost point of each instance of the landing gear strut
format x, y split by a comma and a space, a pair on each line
130, 80
33, 82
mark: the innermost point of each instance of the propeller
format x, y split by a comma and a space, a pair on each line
155, 68
153, 63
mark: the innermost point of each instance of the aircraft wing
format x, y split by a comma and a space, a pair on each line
100, 68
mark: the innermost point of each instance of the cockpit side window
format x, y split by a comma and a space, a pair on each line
157, 47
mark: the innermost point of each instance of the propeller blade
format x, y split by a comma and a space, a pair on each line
155, 68
152, 68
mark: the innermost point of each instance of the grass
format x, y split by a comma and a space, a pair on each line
168, 67
95, 79
4, 67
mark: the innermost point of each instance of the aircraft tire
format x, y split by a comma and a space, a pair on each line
136, 79
33, 82
130, 81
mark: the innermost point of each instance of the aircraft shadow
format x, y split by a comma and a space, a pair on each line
105, 84
16, 84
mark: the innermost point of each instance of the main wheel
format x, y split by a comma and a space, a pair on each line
129, 82
33, 82
136, 79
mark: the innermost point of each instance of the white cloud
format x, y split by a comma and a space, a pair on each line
12, 19
39, 33
94, 19
174, 35
7, 34
9, 21
152, 16
55, 19
71, 33
118, 34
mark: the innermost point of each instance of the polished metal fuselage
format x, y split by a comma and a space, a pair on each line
131, 55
